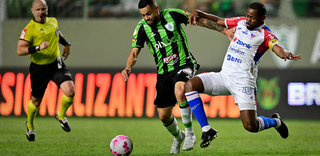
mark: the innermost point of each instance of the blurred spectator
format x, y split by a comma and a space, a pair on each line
103, 8
130, 8
189, 5
314, 8
113, 8
272, 7
66, 8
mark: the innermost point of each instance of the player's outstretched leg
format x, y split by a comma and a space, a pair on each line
196, 104
207, 137
64, 123
282, 128
31, 134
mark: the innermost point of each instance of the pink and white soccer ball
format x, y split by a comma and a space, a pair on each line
121, 145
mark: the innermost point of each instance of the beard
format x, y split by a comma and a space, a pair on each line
154, 22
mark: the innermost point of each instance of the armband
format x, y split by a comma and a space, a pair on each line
33, 49
272, 43
64, 42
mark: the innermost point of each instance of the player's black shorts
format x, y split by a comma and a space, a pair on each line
165, 96
40, 76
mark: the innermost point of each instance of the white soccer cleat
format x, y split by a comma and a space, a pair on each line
176, 144
189, 142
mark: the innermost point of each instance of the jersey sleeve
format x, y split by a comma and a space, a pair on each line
138, 37
26, 34
270, 40
233, 22
180, 16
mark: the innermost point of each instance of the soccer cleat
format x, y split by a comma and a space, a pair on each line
64, 123
207, 137
189, 142
175, 148
30, 133
282, 129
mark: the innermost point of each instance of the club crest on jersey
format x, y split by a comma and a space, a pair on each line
169, 26
288, 38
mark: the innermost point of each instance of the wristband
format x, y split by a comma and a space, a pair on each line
33, 49
64, 42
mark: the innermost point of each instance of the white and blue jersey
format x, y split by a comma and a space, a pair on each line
239, 70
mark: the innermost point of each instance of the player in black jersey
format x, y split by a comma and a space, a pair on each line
167, 42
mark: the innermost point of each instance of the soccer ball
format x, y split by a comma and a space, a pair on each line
121, 145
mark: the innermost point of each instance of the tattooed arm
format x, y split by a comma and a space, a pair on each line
203, 22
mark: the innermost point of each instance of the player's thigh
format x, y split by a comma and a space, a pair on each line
63, 79
245, 97
40, 76
213, 84
165, 96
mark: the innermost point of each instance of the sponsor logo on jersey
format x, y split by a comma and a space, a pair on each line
239, 42
247, 90
159, 45
235, 50
169, 26
233, 59
268, 93
169, 58
23, 33
234, 18
134, 40
289, 39
245, 32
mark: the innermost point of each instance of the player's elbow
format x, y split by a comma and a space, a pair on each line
19, 52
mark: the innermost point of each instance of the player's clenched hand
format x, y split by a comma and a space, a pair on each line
230, 33
126, 73
44, 45
290, 56
66, 52
193, 18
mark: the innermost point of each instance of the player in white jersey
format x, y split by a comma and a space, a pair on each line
239, 71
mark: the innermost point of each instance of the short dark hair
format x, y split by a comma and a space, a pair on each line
261, 9
144, 3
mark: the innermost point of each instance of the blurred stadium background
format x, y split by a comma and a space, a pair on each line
101, 30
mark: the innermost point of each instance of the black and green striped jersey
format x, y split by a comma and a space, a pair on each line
167, 40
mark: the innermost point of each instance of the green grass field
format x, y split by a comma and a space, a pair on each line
91, 136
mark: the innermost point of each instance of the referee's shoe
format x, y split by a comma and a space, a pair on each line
64, 123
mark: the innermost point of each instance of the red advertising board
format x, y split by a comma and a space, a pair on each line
103, 93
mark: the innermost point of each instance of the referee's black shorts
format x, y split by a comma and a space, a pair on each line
40, 76
165, 96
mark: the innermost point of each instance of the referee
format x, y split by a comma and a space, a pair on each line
40, 39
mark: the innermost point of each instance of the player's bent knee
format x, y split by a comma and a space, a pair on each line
251, 127
188, 87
